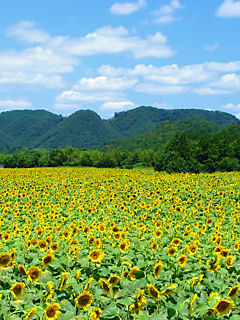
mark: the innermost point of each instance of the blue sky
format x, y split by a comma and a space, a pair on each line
115, 55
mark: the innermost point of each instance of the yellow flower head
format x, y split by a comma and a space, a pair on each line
5, 260
153, 292
18, 289
52, 311
132, 273
30, 313
105, 286
84, 300
63, 281
223, 306
96, 255
114, 280
46, 260
232, 293
34, 274
182, 260
157, 269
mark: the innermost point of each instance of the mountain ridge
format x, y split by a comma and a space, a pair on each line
86, 129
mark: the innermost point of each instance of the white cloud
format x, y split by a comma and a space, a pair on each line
167, 13
229, 9
231, 106
168, 74
127, 7
27, 31
14, 105
231, 66
110, 40
48, 81
105, 83
36, 59
108, 109
152, 88
229, 81
206, 91
71, 95
117, 105
212, 47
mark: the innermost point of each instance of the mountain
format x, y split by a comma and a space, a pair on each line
24, 127
163, 133
85, 129
142, 119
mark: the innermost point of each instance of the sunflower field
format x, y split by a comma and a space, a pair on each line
86, 243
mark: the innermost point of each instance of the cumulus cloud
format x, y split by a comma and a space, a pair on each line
47, 81
229, 9
117, 105
14, 105
209, 91
233, 108
152, 88
167, 13
211, 78
229, 81
27, 31
110, 40
104, 83
126, 8
36, 59
94, 96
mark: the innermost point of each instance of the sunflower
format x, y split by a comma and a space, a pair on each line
132, 273
195, 297
232, 293
51, 290
157, 269
114, 280
30, 313
90, 280
229, 262
34, 274
18, 289
63, 281
176, 242
223, 306
96, 255
153, 292
22, 270
84, 300
139, 303
154, 245
42, 244
54, 246
47, 259
172, 251
169, 289
52, 311
182, 260
96, 314
105, 286
5, 260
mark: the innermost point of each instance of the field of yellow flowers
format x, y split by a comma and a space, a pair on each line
85, 243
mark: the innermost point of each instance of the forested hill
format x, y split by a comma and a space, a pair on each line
163, 133
85, 129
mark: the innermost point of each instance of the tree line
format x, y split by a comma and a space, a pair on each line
208, 152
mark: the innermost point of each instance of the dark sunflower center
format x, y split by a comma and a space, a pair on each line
83, 300
222, 306
51, 312
18, 289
